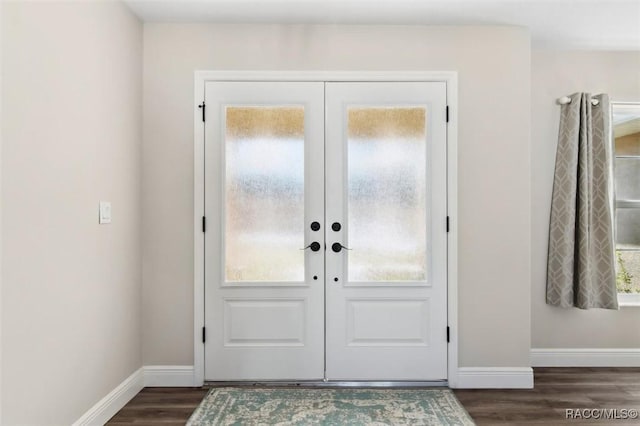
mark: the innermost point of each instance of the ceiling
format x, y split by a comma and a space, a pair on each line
558, 24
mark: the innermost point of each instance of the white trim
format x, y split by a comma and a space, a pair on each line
452, 241
108, 406
628, 299
585, 357
1, 257
326, 76
449, 77
170, 376
198, 235
495, 378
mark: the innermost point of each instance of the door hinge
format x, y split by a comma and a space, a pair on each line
204, 334
203, 107
447, 223
204, 224
447, 334
447, 114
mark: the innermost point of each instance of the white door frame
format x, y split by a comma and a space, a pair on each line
448, 77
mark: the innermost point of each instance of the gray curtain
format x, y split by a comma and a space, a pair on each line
581, 263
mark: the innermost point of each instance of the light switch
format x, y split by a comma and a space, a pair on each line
105, 212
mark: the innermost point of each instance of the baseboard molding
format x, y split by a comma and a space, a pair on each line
495, 378
104, 409
586, 357
168, 376
147, 376
183, 376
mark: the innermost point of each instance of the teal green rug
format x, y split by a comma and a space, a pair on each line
295, 406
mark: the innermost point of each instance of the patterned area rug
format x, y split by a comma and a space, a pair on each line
295, 406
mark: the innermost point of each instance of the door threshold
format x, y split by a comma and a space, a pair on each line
330, 383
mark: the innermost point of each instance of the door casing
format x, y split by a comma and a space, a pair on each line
201, 77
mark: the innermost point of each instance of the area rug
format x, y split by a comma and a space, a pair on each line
296, 406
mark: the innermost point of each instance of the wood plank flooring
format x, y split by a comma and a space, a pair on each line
556, 389
160, 407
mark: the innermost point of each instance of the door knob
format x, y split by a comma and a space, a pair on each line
315, 226
314, 246
336, 226
337, 247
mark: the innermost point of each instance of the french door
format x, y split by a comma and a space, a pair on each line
325, 250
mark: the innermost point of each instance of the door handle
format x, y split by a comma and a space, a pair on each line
337, 247
314, 246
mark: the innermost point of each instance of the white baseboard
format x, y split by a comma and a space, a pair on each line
104, 409
495, 378
168, 376
183, 376
579, 357
147, 376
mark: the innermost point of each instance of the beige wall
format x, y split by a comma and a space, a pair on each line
72, 135
555, 74
494, 167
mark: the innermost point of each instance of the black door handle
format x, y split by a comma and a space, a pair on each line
314, 246
337, 247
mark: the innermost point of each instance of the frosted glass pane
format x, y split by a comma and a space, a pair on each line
628, 178
387, 194
628, 228
264, 190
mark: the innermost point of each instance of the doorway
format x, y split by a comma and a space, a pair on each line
325, 251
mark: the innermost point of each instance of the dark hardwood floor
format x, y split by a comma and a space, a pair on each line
556, 389
160, 406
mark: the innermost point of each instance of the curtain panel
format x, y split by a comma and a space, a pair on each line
581, 261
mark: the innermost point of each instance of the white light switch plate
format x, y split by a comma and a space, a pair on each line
105, 212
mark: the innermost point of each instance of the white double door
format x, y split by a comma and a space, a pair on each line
325, 248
